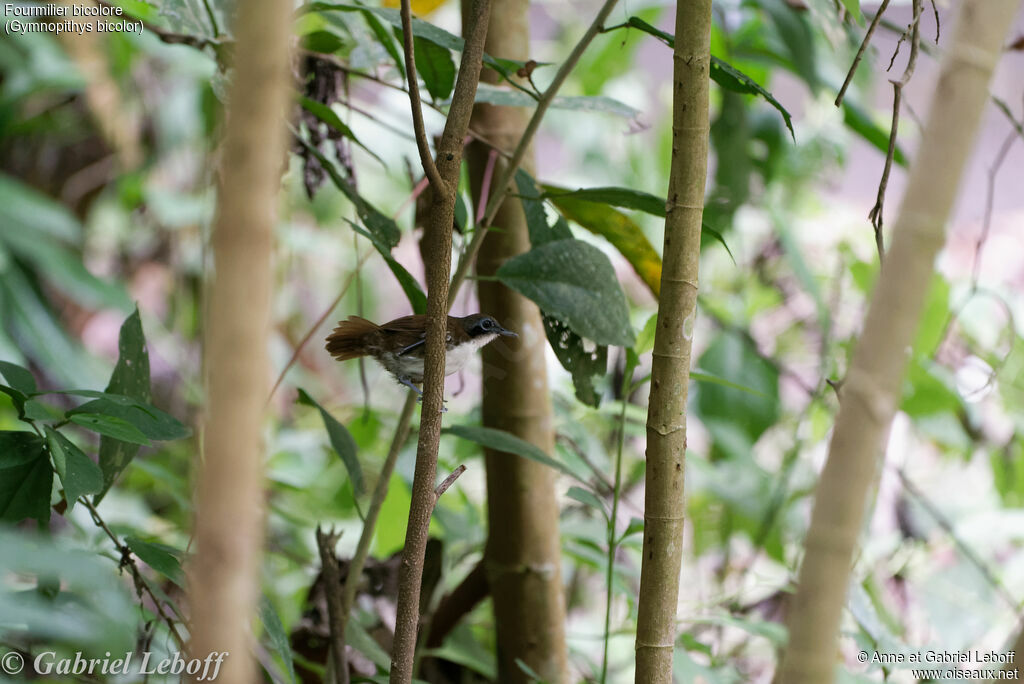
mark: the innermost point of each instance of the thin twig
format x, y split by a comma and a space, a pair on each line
966, 550
448, 482
422, 145
355, 566
501, 188
128, 560
326, 543
876, 213
860, 51
319, 321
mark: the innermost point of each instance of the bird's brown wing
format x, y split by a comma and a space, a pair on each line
348, 340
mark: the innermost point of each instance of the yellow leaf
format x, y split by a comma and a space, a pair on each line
419, 7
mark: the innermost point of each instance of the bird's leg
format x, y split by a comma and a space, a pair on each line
408, 383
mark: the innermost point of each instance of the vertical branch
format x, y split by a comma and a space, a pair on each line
438, 238
224, 576
522, 559
670, 372
871, 392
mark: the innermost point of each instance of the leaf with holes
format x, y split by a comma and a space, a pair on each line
575, 283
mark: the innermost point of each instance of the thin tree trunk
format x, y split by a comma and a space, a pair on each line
670, 373
224, 576
444, 179
871, 391
523, 554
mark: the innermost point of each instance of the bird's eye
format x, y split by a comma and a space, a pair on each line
485, 324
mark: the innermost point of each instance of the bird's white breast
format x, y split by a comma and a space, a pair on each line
456, 358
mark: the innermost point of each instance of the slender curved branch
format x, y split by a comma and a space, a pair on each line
501, 188
426, 159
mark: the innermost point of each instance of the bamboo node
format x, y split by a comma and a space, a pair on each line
972, 55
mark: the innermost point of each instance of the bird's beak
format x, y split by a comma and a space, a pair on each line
506, 333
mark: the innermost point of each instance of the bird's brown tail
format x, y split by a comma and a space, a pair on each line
348, 339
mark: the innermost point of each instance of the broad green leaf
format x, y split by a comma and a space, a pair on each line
131, 379
18, 378
614, 226
732, 413
587, 498
93, 610
29, 319
600, 104
25, 478
151, 421
331, 118
160, 557
341, 441
858, 121
420, 29
645, 340
78, 474
278, 637
929, 389
585, 363
386, 39
934, 318
794, 29
324, 42
533, 208
500, 440
575, 283
23, 206
723, 73
38, 229
115, 428
626, 198
435, 67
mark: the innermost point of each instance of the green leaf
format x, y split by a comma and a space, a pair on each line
131, 379
160, 557
583, 361
381, 230
645, 340
417, 298
795, 31
626, 198
25, 478
385, 39
331, 118
420, 29
600, 104
278, 637
857, 120
435, 67
109, 426
574, 282
746, 414
929, 389
533, 208
18, 378
500, 440
78, 474
723, 73
341, 441
614, 226
35, 227
151, 421
587, 498
322, 41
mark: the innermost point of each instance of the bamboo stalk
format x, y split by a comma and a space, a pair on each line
871, 391
670, 372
